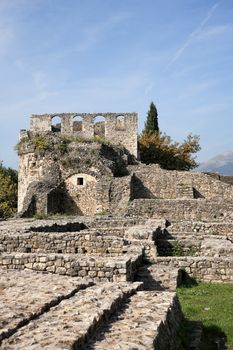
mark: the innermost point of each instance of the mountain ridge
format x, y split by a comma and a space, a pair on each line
221, 164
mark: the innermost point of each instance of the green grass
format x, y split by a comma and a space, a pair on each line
211, 303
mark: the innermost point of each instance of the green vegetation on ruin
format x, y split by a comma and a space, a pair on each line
8, 192
212, 304
60, 143
158, 148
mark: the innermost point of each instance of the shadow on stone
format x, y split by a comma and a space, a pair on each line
100, 332
144, 275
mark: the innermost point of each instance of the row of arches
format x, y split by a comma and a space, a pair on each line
77, 124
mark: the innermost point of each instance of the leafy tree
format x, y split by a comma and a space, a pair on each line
159, 148
8, 192
151, 124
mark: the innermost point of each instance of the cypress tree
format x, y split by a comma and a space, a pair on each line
151, 124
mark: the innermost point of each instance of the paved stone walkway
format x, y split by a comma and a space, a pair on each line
27, 294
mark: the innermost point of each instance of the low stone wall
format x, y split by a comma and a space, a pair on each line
98, 268
212, 228
177, 209
144, 236
205, 268
112, 222
192, 244
86, 242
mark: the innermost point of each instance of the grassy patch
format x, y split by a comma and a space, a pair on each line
211, 303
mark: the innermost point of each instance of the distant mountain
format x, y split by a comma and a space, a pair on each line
221, 164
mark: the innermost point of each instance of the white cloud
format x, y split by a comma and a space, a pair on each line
194, 34
92, 34
215, 31
40, 80
6, 37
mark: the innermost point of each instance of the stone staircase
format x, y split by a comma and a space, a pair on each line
184, 191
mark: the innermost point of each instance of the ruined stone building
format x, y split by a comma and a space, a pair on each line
107, 281
73, 166
79, 166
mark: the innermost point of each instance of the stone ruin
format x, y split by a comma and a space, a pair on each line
107, 280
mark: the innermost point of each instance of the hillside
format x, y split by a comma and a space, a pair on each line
222, 164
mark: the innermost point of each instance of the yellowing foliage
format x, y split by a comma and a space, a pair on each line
159, 148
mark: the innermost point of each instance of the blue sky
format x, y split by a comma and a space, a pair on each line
118, 56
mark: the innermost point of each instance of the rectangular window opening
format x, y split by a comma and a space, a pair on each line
80, 181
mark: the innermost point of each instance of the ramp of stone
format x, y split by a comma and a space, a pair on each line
27, 294
148, 321
69, 324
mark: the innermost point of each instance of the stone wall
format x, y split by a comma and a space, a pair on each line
153, 182
80, 180
119, 128
223, 227
209, 269
179, 209
94, 267
86, 242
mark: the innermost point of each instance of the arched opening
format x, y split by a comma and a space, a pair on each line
56, 124
77, 124
99, 126
120, 122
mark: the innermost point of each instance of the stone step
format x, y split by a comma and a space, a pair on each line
26, 295
68, 325
156, 277
149, 320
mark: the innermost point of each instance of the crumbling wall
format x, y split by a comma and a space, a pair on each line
60, 174
119, 129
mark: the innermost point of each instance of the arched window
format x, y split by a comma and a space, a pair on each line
56, 124
99, 126
120, 122
77, 124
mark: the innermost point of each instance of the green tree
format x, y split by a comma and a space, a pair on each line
151, 124
159, 148
8, 192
